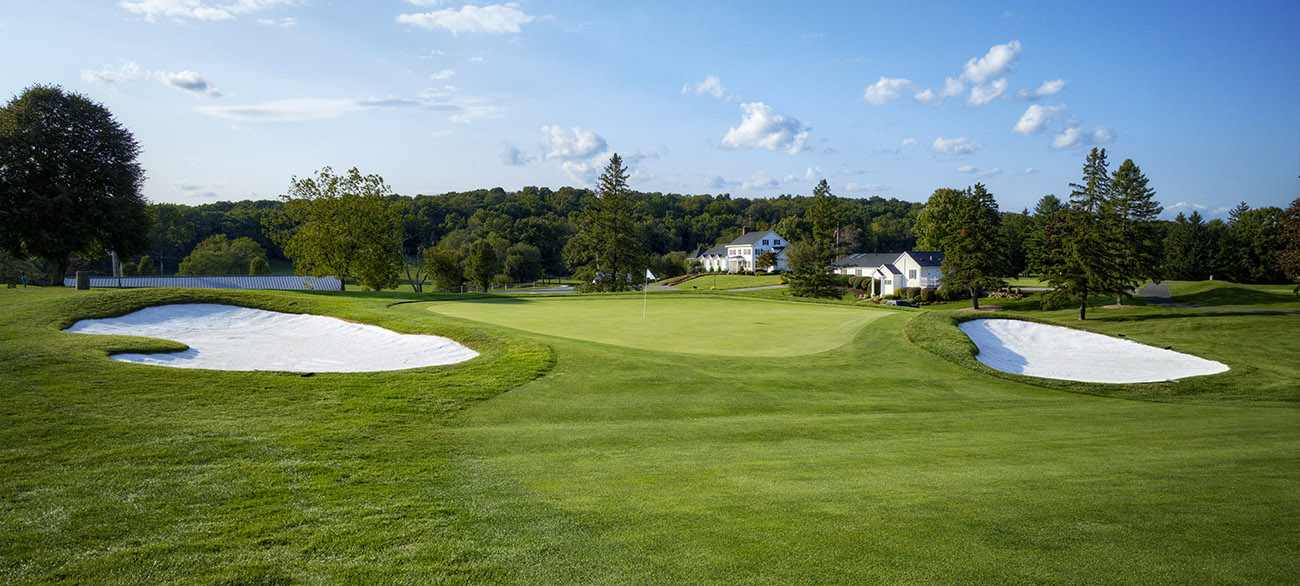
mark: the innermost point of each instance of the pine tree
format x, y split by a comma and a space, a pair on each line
1083, 244
810, 259
1044, 212
1136, 210
1189, 253
972, 257
608, 252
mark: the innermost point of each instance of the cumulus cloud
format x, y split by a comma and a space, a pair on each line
711, 86
511, 155
494, 19
966, 169
761, 127
909, 142
983, 94
813, 174
996, 63
152, 10
951, 87
124, 71
1029, 171
716, 181
283, 22
1037, 118
856, 186
561, 143
443, 75
886, 90
759, 180
1077, 137
1049, 88
191, 82
955, 146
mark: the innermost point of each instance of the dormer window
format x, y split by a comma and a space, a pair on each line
764, 243
776, 242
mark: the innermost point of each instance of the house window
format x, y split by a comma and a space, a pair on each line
776, 242
764, 243
911, 273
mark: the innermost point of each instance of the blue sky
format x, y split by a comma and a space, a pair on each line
230, 98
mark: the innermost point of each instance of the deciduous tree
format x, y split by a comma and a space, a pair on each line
1288, 257
481, 264
69, 180
340, 225
219, 255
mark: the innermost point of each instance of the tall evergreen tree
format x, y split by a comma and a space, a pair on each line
810, 259
1135, 211
1044, 212
608, 252
1189, 251
1083, 244
972, 258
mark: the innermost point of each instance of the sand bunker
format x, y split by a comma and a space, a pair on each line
224, 337
1034, 349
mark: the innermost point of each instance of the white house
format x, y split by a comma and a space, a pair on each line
892, 271
741, 253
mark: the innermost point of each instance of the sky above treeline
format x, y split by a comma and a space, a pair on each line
231, 98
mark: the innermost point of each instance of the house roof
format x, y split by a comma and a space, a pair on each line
719, 250
868, 260
753, 238
891, 268
926, 259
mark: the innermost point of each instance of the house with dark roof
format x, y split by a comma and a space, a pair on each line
892, 271
742, 253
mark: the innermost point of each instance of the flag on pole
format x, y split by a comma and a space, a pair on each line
649, 276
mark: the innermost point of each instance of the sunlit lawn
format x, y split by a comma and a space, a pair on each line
711, 281
1226, 294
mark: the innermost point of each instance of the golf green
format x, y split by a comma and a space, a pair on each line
698, 325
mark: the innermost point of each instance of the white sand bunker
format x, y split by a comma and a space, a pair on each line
1034, 349
224, 337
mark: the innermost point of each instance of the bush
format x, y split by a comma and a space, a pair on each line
929, 295
855, 282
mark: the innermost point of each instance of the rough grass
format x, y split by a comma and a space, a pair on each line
874, 461
1226, 294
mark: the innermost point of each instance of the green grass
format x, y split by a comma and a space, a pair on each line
1226, 294
673, 323
723, 282
632, 460
1026, 282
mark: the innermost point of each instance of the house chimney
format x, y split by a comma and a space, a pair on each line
744, 230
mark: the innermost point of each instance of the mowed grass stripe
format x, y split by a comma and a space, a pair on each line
674, 323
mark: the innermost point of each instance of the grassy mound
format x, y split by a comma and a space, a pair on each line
1226, 294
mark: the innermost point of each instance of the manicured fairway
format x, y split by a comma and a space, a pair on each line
674, 323
1225, 294
556, 459
722, 282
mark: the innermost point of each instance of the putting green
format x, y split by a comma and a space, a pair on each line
696, 325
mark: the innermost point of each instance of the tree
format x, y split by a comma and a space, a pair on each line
1044, 212
481, 264
69, 180
810, 259
219, 255
934, 222
340, 225
1288, 257
257, 266
1189, 250
444, 267
971, 256
1249, 247
1082, 244
146, 267
523, 263
767, 260
1135, 211
607, 253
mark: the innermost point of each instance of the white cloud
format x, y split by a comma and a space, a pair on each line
812, 174
716, 181
966, 169
189, 81
1076, 137
856, 186
983, 94
561, 143
886, 90
1029, 171
711, 86
443, 75
494, 19
283, 22
909, 142
152, 10
759, 180
999, 60
990, 172
301, 109
1049, 88
761, 127
125, 71
1037, 118
851, 171
955, 146
513, 156
951, 87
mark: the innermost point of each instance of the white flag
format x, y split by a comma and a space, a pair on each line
649, 275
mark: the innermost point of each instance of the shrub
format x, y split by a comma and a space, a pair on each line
855, 282
929, 295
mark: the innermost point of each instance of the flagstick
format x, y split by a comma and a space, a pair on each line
645, 295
